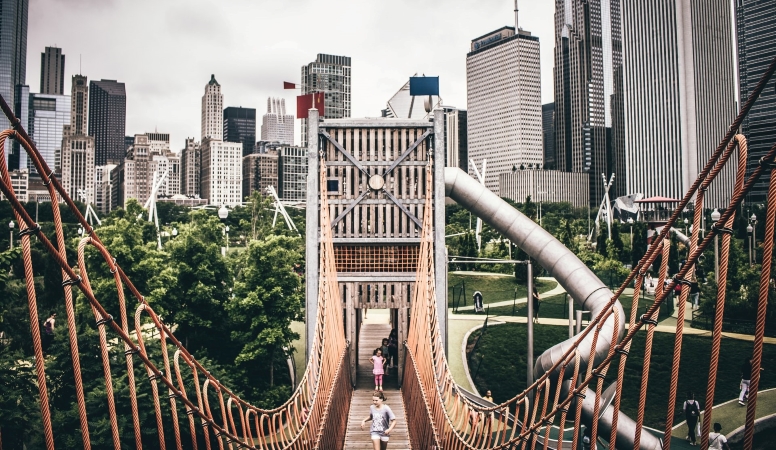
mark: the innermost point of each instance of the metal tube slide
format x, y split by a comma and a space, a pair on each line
588, 292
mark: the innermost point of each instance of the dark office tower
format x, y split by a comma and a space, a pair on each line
52, 71
548, 135
756, 27
240, 126
588, 55
107, 120
13, 52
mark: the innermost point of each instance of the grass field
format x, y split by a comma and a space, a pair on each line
503, 364
494, 288
556, 307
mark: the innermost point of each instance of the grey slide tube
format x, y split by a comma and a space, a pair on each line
588, 292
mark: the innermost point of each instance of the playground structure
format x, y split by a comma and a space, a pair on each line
569, 377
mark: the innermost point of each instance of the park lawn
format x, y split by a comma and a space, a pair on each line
494, 288
556, 307
503, 364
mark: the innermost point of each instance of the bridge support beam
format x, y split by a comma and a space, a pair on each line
440, 250
311, 232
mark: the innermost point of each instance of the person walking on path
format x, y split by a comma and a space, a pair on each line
695, 292
535, 299
48, 331
692, 411
746, 377
717, 440
383, 421
386, 354
488, 396
378, 362
393, 349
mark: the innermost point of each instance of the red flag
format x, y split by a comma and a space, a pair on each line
308, 101
287, 85
303, 103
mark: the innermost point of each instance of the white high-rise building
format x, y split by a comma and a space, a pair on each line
161, 159
504, 102
220, 171
679, 90
102, 188
276, 125
213, 111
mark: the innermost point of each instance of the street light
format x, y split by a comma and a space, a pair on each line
715, 215
749, 231
11, 225
223, 213
685, 225
753, 220
174, 232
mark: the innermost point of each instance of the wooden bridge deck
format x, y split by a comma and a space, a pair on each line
373, 331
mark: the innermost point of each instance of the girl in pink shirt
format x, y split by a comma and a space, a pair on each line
378, 362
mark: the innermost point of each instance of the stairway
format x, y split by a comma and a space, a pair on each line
373, 330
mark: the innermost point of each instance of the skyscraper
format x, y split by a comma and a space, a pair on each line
588, 56
240, 126
78, 153
276, 125
107, 120
52, 71
504, 102
679, 94
13, 49
213, 111
548, 135
329, 74
48, 116
756, 28
220, 170
13, 65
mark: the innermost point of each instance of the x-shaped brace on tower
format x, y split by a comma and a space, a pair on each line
376, 181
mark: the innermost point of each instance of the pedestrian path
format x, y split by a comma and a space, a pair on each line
373, 330
558, 289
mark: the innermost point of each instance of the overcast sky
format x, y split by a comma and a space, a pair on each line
165, 50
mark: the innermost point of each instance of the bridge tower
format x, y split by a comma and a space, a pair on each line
376, 189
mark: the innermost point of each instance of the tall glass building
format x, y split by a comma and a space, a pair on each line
756, 27
292, 174
13, 54
107, 120
48, 114
240, 126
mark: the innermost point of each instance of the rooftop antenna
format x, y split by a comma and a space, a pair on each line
80, 72
516, 17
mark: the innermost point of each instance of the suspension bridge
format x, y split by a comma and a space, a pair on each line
375, 239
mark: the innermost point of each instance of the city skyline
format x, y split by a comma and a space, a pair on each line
170, 82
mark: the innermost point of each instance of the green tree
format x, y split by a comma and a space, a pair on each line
268, 295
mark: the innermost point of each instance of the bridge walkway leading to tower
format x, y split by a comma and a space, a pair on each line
373, 330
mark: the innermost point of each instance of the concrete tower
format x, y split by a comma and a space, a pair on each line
213, 111
504, 102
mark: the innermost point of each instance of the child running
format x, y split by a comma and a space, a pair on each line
378, 361
383, 421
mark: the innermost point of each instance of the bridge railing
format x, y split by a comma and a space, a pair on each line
572, 388
319, 404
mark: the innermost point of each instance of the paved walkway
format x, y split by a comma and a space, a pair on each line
558, 289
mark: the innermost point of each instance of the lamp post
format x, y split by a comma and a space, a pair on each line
749, 230
174, 232
685, 226
11, 225
753, 219
223, 213
715, 215
630, 222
